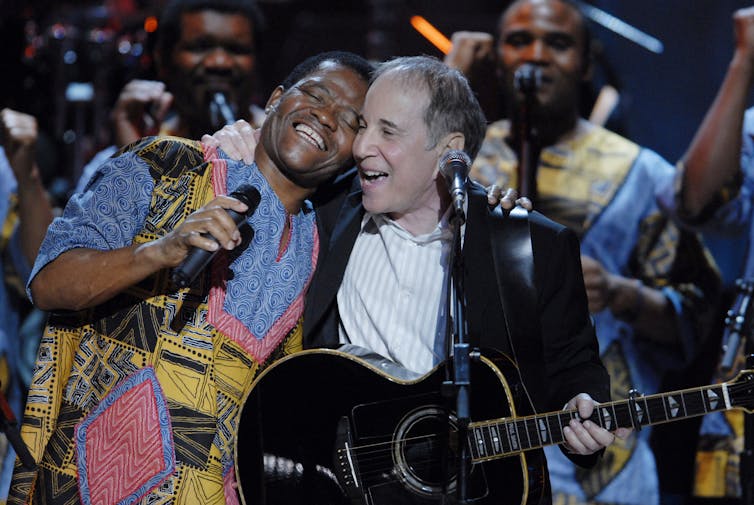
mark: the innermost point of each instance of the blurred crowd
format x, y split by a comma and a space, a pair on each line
121, 71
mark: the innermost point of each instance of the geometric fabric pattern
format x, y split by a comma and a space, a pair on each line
124, 446
146, 369
592, 166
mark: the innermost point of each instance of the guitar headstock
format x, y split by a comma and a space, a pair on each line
741, 391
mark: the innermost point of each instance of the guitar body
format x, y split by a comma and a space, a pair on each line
324, 427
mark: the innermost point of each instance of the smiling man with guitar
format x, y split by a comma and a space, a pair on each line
380, 286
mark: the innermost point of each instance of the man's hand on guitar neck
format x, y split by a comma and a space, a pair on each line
586, 437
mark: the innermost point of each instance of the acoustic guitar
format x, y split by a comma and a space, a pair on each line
328, 427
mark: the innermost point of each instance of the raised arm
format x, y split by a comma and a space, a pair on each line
713, 158
140, 110
34, 209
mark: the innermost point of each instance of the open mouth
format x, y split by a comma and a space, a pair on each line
310, 135
372, 175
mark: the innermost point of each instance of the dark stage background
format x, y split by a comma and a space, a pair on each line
48, 44
664, 96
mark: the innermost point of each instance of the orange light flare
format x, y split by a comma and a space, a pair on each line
150, 24
431, 33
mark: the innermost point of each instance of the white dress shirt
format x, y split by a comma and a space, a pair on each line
392, 298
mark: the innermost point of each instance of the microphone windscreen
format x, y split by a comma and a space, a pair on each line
452, 159
527, 78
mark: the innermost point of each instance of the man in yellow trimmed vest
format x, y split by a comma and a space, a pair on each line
651, 285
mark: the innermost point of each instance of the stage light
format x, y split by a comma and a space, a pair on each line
150, 24
431, 33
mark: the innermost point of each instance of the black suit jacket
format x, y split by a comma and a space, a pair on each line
563, 361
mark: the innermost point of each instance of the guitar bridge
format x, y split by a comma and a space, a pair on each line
344, 463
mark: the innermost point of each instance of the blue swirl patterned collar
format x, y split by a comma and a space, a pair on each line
257, 295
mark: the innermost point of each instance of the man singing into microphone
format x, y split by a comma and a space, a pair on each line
207, 71
382, 284
135, 394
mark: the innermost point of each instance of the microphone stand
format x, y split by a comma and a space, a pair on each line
461, 362
526, 81
746, 471
9, 426
738, 325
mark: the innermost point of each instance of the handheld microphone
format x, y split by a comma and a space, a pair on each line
527, 78
198, 258
454, 166
220, 110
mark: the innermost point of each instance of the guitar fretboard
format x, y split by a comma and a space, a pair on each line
492, 439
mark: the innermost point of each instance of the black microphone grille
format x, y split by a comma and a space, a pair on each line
454, 156
249, 195
527, 78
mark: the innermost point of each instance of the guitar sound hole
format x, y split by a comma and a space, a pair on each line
424, 453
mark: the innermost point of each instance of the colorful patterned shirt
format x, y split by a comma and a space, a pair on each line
138, 399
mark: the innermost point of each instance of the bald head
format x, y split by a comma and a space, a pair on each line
559, 12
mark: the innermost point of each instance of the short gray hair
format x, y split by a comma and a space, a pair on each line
452, 107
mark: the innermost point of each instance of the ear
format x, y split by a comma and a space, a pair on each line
274, 99
453, 140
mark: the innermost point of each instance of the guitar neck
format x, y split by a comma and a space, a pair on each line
498, 438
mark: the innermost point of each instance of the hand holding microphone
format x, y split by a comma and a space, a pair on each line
220, 223
454, 166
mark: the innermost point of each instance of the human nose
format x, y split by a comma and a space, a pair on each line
535, 51
218, 58
327, 115
362, 145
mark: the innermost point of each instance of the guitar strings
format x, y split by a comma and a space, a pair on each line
369, 455
374, 453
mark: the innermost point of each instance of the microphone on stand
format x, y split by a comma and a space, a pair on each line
198, 258
737, 322
220, 110
454, 166
527, 79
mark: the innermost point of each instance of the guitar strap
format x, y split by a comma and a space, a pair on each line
513, 260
